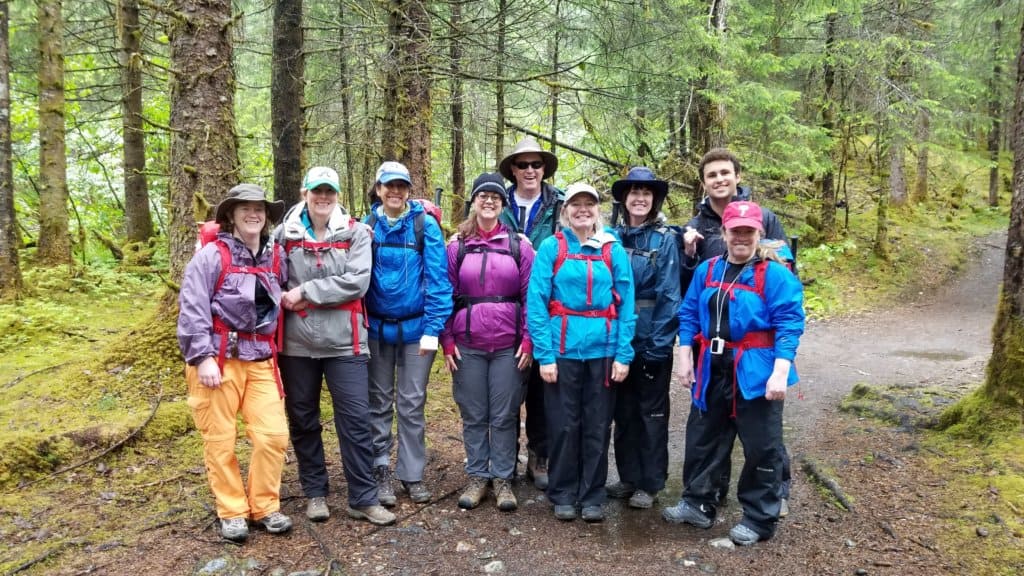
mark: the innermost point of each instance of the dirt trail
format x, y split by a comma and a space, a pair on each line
937, 337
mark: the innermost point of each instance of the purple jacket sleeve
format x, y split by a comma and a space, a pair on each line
195, 319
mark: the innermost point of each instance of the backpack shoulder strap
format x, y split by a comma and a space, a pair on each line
709, 281
760, 268
513, 246
461, 254
606, 255
417, 226
225, 262
563, 251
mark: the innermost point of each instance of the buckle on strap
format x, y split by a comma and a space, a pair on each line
233, 344
717, 346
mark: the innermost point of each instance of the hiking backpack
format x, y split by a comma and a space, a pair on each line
557, 308
417, 224
467, 302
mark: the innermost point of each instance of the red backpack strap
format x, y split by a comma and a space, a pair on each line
709, 281
225, 263
563, 251
760, 268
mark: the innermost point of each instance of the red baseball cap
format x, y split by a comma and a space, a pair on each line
742, 213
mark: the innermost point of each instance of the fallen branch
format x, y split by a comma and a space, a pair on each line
116, 446
815, 473
34, 372
41, 558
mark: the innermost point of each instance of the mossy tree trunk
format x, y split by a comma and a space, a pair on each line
346, 112
287, 77
458, 148
138, 220
407, 113
1004, 380
828, 122
204, 146
995, 108
499, 86
10, 271
54, 241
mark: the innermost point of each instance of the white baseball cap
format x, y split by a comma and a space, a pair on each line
322, 175
390, 171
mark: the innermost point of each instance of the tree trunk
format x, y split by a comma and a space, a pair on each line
995, 110
54, 241
458, 121
924, 132
204, 146
828, 187
897, 174
346, 110
499, 86
10, 270
138, 220
407, 112
716, 113
1003, 381
554, 91
287, 76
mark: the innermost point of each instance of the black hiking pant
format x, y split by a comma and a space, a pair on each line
723, 460
758, 423
641, 425
579, 409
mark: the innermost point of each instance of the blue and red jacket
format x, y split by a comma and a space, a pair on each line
763, 327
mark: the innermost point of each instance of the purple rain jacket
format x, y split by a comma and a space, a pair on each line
234, 303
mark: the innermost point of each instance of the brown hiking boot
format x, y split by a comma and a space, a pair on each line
475, 492
504, 496
537, 470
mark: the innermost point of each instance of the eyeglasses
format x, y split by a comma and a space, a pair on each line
536, 165
487, 197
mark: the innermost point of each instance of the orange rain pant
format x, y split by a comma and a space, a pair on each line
249, 388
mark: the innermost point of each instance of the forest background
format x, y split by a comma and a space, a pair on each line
881, 131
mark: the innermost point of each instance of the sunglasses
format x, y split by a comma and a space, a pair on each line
536, 165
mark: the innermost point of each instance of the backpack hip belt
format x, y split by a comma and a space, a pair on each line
556, 308
758, 339
229, 339
355, 309
468, 301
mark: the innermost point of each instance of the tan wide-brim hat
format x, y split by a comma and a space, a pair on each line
248, 193
525, 145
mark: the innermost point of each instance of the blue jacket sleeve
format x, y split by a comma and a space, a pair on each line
622, 278
537, 300
438, 290
663, 331
689, 310
785, 298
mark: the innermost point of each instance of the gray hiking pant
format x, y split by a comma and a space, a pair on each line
488, 389
398, 379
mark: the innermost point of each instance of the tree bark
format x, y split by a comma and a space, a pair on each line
924, 131
54, 241
1003, 381
346, 110
995, 109
458, 120
554, 91
287, 76
897, 173
828, 187
138, 220
499, 86
10, 270
407, 116
204, 146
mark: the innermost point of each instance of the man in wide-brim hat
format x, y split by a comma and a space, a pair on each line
532, 210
